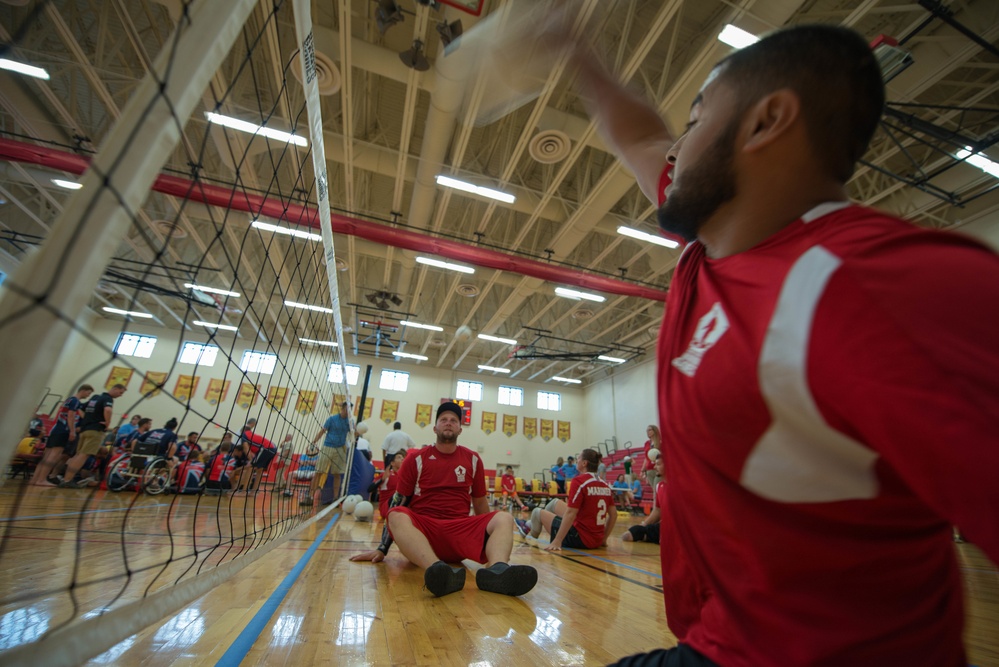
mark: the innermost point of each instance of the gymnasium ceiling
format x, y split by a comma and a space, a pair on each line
390, 128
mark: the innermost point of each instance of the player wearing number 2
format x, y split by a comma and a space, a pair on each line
588, 518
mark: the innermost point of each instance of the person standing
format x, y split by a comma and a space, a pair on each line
558, 471
97, 415
429, 520
333, 455
395, 442
654, 442
589, 516
63, 433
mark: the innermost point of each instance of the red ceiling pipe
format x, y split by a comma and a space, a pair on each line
20, 151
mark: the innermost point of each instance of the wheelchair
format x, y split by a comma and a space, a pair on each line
141, 470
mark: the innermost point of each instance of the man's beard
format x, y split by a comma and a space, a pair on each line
706, 186
447, 439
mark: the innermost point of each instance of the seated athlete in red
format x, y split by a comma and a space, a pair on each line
429, 518
588, 518
389, 482
509, 486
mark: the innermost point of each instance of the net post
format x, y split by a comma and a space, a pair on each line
39, 305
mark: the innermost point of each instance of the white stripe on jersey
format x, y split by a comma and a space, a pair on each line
475, 463
579, 489
800, 458
419, 471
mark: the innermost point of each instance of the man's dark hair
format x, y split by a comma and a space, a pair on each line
192, 433
397, 426
836, 77
144, 421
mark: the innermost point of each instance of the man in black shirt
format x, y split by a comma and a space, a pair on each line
97, 414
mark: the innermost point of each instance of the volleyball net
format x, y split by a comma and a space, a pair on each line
192, 268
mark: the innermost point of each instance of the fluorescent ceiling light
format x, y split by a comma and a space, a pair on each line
604, 357
327, 343
645, 236
130, 313
978, 160
69, 185
306, 306
244, 126
297, 233
737, 37
445, 265
494, 369
210, 290
21, 68
449, 182
406, 355
576, 294
223, 327
497, 339
417, 325
569, 380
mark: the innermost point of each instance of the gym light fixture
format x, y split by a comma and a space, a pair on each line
645, 236
387, 15
569, 380
497, 339
210, 290
494, 369
69, 185
449, 182
128, 313
577, 295
978, 160
406, 355
414, 58
297, 233
307, 306
448, 32
737, 37
615, 360
250, 128
445, 265
417, 325
210, 325
22, 68
327, 343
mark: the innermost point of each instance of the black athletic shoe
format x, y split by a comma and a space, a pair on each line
442, 579
506, 579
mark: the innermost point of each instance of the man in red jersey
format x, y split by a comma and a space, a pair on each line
828, 375
429, 518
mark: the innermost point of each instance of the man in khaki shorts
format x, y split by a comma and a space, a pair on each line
96, 418
333, 454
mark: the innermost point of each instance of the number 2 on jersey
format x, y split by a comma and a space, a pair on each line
601, 512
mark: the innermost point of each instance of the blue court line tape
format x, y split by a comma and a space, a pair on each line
244, 642
579, 552
49, 516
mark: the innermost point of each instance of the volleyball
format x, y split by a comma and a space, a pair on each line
653, 454
361, 428
349, 504
364, 511
463, 334
626, 458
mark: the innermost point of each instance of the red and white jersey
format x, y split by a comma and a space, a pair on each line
509, 483
442, 485
222, 466
659, 497
830, 404
592, 497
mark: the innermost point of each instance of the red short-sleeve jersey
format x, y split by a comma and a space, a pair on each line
509, 483
592, 497
442, 485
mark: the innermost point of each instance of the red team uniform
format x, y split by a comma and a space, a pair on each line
441, 488
508, 483
385, 492
796, 445
593, 498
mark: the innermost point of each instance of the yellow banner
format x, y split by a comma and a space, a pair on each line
247, 396
530, 427
185, 387
547, 429
217, 390
488, 422
276, 396
152, 382
306, 401
424, 413
390, 411
563, 431
510, 425
118, 375
369, 405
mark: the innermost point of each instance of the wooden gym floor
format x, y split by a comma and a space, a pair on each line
589, 608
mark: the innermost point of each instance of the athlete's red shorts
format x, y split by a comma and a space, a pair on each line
453, 540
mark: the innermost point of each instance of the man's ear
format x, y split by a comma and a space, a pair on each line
770, 119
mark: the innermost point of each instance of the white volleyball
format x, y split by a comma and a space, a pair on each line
361, 428
349, 504
364, 511
653, 454
463, 334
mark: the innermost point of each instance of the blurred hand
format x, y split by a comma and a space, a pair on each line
375, 556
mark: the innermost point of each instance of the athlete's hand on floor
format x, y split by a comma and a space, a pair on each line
554, 546
375, 556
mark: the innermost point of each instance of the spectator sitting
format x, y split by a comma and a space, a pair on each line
190, 473
622, 494
130, 427
509, 485
569, 470
648, 530
636, 491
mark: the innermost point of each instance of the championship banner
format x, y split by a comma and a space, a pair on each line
185, 387
152, 382
390, 411
488, 422
306, 401
563, 431
276, 396
510, 425
547, 427
369, 406
118, 375
530, 427
424, 413
247, 396
217, 390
